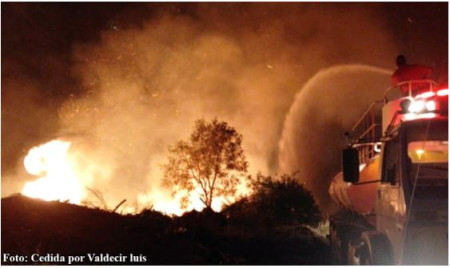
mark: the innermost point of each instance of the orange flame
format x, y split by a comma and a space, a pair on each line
57, 181
60, 177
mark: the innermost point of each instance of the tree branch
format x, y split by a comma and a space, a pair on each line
211, 190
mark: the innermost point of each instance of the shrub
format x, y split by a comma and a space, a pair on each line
283, 201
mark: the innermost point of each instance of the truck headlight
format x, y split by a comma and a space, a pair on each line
430, 105
416, 106
420, 106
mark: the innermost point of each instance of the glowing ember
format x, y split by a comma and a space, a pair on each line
57, 180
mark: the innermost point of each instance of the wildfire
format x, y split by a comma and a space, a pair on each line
164, 202
61, 176
56, 181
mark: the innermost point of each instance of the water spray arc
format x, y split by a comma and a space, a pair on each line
327, 104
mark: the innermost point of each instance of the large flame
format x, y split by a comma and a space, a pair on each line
61, 177
56, 181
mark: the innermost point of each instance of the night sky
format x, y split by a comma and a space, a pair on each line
128, 79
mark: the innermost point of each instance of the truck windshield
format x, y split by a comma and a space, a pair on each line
428, 166
428, 152
428, 160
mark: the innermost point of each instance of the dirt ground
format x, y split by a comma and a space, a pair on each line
39, 232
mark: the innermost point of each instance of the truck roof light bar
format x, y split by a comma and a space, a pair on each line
425, 95
442, 92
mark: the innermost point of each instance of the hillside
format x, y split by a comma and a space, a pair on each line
39, 232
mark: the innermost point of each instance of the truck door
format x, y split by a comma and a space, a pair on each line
390, 198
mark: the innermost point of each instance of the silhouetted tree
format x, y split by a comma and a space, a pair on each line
212, 160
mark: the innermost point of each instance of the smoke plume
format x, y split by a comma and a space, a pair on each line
141, 86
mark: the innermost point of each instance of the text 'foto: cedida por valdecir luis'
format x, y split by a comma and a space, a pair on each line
88, 258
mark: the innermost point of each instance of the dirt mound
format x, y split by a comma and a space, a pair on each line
39, 232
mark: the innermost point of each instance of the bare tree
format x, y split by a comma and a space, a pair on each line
212, 160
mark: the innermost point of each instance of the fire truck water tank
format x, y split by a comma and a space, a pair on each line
360, 198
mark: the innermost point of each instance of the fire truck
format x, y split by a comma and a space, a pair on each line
393, 188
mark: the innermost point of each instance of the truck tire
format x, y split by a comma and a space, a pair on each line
376, 249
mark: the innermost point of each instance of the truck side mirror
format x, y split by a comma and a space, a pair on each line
350, 165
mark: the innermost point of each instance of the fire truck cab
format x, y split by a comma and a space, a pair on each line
394, 183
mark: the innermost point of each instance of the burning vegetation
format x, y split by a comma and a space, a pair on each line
211, 165
209, 170
252, 215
